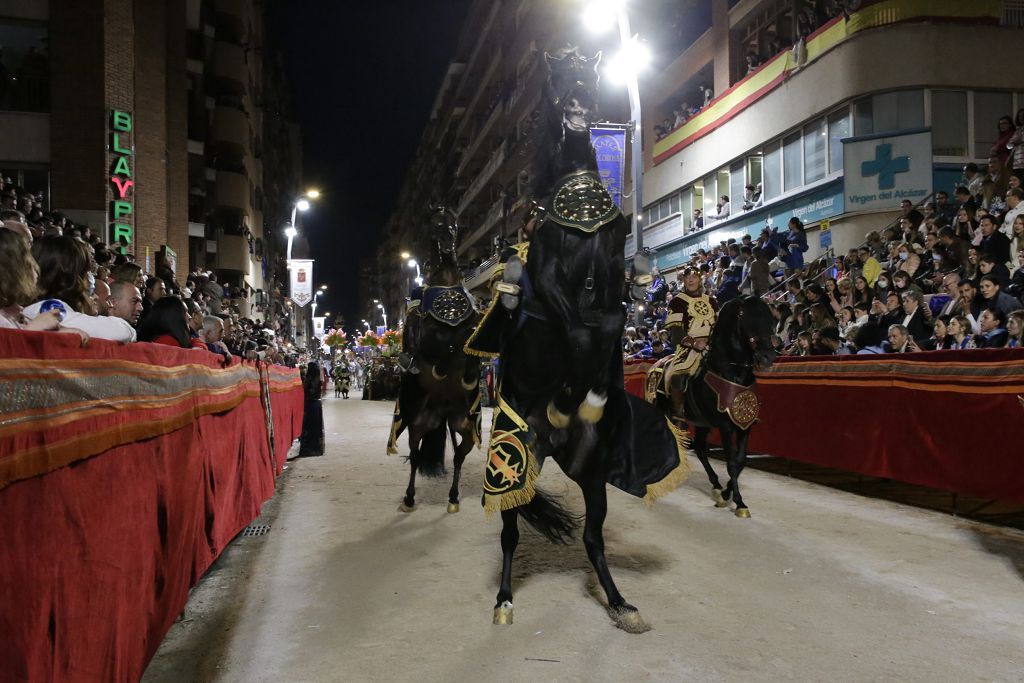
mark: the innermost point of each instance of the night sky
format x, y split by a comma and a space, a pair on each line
363, 78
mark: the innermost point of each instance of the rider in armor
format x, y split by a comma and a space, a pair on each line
410, 332
691, 317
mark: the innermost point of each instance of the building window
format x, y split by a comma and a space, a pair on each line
949, 123
889, 111
737, 185
25, 85
673, 203
815, 161
772, 170
792, 155
838, 128
988, 108
711, 197
685, 208
697, 199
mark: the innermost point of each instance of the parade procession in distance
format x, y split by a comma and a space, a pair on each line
591, 264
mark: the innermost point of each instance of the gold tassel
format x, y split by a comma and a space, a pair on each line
677, 476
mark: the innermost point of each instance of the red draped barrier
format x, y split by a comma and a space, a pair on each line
124, 472
950, 420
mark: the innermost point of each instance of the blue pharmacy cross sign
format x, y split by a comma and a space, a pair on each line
885, 167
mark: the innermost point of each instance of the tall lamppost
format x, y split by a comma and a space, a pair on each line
418, 279
301, 204
625, 67
383, 313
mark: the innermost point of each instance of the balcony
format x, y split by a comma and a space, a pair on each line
488, 171
231, 127
232, 191
494, 215
229, 65
233, 253
480, 136
778, 71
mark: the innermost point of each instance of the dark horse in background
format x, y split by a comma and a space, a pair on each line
561, 361
440, 393
721, 395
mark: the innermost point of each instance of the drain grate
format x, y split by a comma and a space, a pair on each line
256, 530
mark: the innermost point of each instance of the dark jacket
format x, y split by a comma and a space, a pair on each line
997, 245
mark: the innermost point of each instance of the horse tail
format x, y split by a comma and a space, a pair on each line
429, 459
546, 514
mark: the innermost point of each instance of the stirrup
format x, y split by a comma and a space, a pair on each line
508, 287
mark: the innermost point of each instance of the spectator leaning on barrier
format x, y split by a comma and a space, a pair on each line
64, 269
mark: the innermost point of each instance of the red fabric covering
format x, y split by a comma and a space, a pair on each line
98, 556
635, 371
950, 420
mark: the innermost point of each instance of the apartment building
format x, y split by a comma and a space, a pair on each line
145, 120
911, 88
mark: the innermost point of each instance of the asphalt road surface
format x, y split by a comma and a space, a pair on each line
818, 585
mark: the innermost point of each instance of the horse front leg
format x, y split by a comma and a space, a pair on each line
461, 449
509, 541
409, 502
737, 461
626, 616
728, 433
700, 445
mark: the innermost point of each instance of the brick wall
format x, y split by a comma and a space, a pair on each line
151, 149
177, 135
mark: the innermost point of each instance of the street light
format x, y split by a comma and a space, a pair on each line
301, 204
384, 314
405, 255
625, 66
367, 325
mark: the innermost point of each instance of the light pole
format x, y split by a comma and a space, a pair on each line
418, 279
301, 204
367, 325
383, 313
625, 66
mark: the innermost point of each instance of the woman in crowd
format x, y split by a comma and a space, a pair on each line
795, 244
940, 338
1001, 147
1016, 145
907, 259
988, 265
994, 297
167, 323
801, 345
862, 292
18, 274
847, 316
1015, 328
820, 316
902, 282
64, 276
959, 333
784, 318
1016, 287
966, 224
1016, 241
311, 443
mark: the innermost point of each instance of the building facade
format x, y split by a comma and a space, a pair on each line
816, 91
146, 120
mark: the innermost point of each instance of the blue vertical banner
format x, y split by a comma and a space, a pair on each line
610, 148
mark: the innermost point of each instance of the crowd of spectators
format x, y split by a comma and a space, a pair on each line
948, 274
56, 275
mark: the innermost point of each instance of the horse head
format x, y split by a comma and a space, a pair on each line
443, 230
743, 333
571, 89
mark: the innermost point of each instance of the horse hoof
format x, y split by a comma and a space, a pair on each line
743, 513
453, 507
558, 419
503, 614
720, 502
405, 508
630, 621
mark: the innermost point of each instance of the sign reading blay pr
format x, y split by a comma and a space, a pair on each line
122, 207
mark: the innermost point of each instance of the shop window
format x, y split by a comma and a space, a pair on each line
815, 161
838, 128
772, 170
989, 107
792, 159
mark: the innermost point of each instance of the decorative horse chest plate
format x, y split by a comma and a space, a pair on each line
449, 305
582, 202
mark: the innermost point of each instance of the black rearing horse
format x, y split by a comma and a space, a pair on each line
721, 395
440, 394
561, 365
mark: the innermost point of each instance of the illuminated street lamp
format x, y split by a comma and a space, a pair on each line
301, 204
625, 67
384, 314
418, 279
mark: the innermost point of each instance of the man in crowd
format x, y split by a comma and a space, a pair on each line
992, 329
101, 295
872, 268
1014, 207
212, 334
125, 302
900, 341
914, 322
215, 292
970, 307
993, 242
951, 287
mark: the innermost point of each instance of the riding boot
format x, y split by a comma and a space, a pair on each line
405, 363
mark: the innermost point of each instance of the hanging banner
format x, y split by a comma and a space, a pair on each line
610, 148
301, 281
318, 326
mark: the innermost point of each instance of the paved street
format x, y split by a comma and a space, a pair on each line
818, 585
